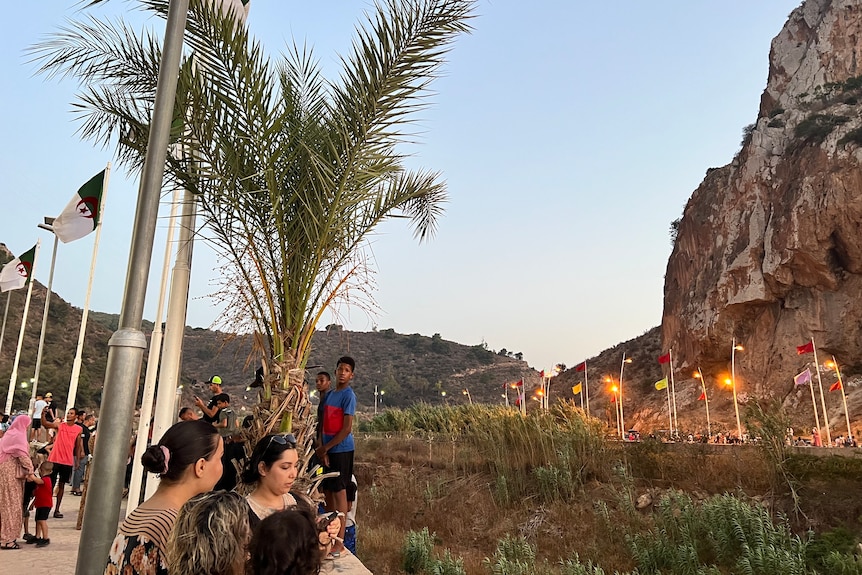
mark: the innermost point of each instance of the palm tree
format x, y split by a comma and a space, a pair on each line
292, 171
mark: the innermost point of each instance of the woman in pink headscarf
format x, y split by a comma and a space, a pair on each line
15, 468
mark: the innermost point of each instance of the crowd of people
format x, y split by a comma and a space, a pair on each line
196, 522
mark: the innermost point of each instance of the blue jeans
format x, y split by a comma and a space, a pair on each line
78, 474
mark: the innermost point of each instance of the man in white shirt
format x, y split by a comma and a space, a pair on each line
38, 408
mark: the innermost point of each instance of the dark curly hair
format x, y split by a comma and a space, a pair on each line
285, 543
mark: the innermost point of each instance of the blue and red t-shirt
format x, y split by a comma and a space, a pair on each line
336, 405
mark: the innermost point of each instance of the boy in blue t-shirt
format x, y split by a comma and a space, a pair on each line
336, 451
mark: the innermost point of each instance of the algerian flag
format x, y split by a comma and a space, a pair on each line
661, 384
81, 215
16, 273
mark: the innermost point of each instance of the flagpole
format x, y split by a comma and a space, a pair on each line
153, 369
673, 394
45, 226
814, 404
669, 410
843, 397
706, 402
30, 280
5, 315
822, 395
76, 364
586, 388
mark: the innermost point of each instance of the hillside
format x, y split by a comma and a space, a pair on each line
406, 368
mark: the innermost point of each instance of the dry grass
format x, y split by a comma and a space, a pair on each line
449, 482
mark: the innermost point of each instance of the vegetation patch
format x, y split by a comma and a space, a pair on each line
815, 128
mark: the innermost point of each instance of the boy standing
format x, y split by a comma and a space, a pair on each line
336, 450
43, 501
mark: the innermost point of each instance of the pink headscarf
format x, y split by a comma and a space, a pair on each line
14, 441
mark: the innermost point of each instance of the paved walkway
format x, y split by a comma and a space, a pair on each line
60, 556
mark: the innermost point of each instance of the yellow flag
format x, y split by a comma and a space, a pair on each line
576, 389
661, 384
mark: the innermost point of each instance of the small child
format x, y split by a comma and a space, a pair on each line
43, 501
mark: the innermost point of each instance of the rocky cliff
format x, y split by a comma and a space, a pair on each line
769, 248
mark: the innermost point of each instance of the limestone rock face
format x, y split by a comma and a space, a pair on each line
769, 249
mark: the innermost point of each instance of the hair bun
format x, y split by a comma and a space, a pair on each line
153, 459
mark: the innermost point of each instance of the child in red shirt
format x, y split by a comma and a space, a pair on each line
43, 501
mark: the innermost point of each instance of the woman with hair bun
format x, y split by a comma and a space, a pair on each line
188, 462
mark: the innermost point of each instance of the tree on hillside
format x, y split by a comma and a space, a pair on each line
292, 171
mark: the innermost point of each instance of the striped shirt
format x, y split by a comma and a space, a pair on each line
141, 542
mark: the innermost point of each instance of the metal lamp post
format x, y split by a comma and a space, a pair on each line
699, 375
622, 368
736, 347
834, 365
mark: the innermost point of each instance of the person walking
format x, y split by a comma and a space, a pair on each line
38, 409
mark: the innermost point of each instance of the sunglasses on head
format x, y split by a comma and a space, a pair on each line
282, 439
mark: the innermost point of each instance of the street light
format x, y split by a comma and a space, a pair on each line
622, 368
379, 393
834, 365
48, 225
615, 396
699, 375
467, 393
735, 347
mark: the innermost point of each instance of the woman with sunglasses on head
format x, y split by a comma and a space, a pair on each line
188, 462
272, 470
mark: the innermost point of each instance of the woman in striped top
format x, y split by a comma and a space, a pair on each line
188, 462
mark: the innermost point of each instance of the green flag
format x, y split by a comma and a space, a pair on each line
661, 384
16, 273
81, 215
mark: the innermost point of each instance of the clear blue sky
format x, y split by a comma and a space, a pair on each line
571, 134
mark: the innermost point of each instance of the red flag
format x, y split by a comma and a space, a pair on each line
542, 373
613, 399
581, 366
664, 358
702, 396
807, 348
835, 386
519, 383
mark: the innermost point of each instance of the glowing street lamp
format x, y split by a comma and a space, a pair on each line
699, 375
736, 347
466, 392
615, 391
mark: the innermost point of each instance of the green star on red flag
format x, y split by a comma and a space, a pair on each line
81, 215
16, 273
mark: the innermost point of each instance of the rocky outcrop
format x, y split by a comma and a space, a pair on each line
769, 248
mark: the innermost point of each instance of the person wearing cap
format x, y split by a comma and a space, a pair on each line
210, 410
